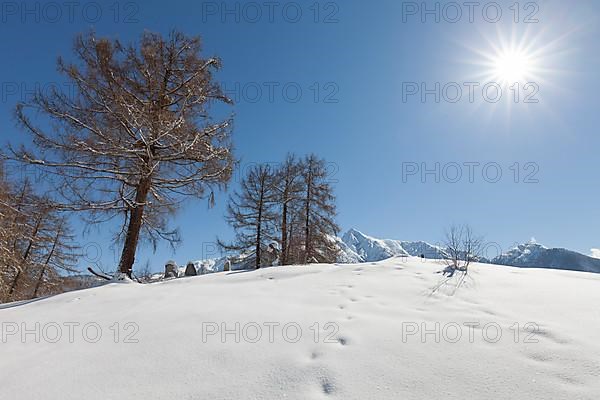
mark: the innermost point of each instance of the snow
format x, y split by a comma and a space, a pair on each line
370, 354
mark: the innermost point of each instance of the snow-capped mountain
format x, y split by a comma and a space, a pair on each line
356, 246
534, 255
370, 249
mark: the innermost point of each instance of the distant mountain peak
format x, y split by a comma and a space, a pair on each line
370, 249
535, 255
355, 234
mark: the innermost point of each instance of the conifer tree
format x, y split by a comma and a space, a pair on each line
135, 138
251, 212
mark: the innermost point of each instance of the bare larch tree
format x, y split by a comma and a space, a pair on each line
36, 247
288, 185
251, 214
59, 255
26, 218
9, 232
318, 214
135, 138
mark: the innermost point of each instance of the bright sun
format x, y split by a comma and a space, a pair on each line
520, 63
512, 66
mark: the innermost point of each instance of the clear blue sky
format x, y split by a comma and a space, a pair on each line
364, 60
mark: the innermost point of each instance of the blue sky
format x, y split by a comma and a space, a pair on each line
354, 63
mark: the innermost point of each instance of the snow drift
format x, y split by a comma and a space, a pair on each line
367, 331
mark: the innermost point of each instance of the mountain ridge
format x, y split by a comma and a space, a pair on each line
526, 255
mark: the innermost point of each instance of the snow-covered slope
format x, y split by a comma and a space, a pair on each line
347, 254
537, 256
430, 251
351, 332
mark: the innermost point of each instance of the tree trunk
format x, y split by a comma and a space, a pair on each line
43, 271
307, 242
13, 285
259, 222
133, 228
39, 281
15, 281
284, 238
15, 242
292, 256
